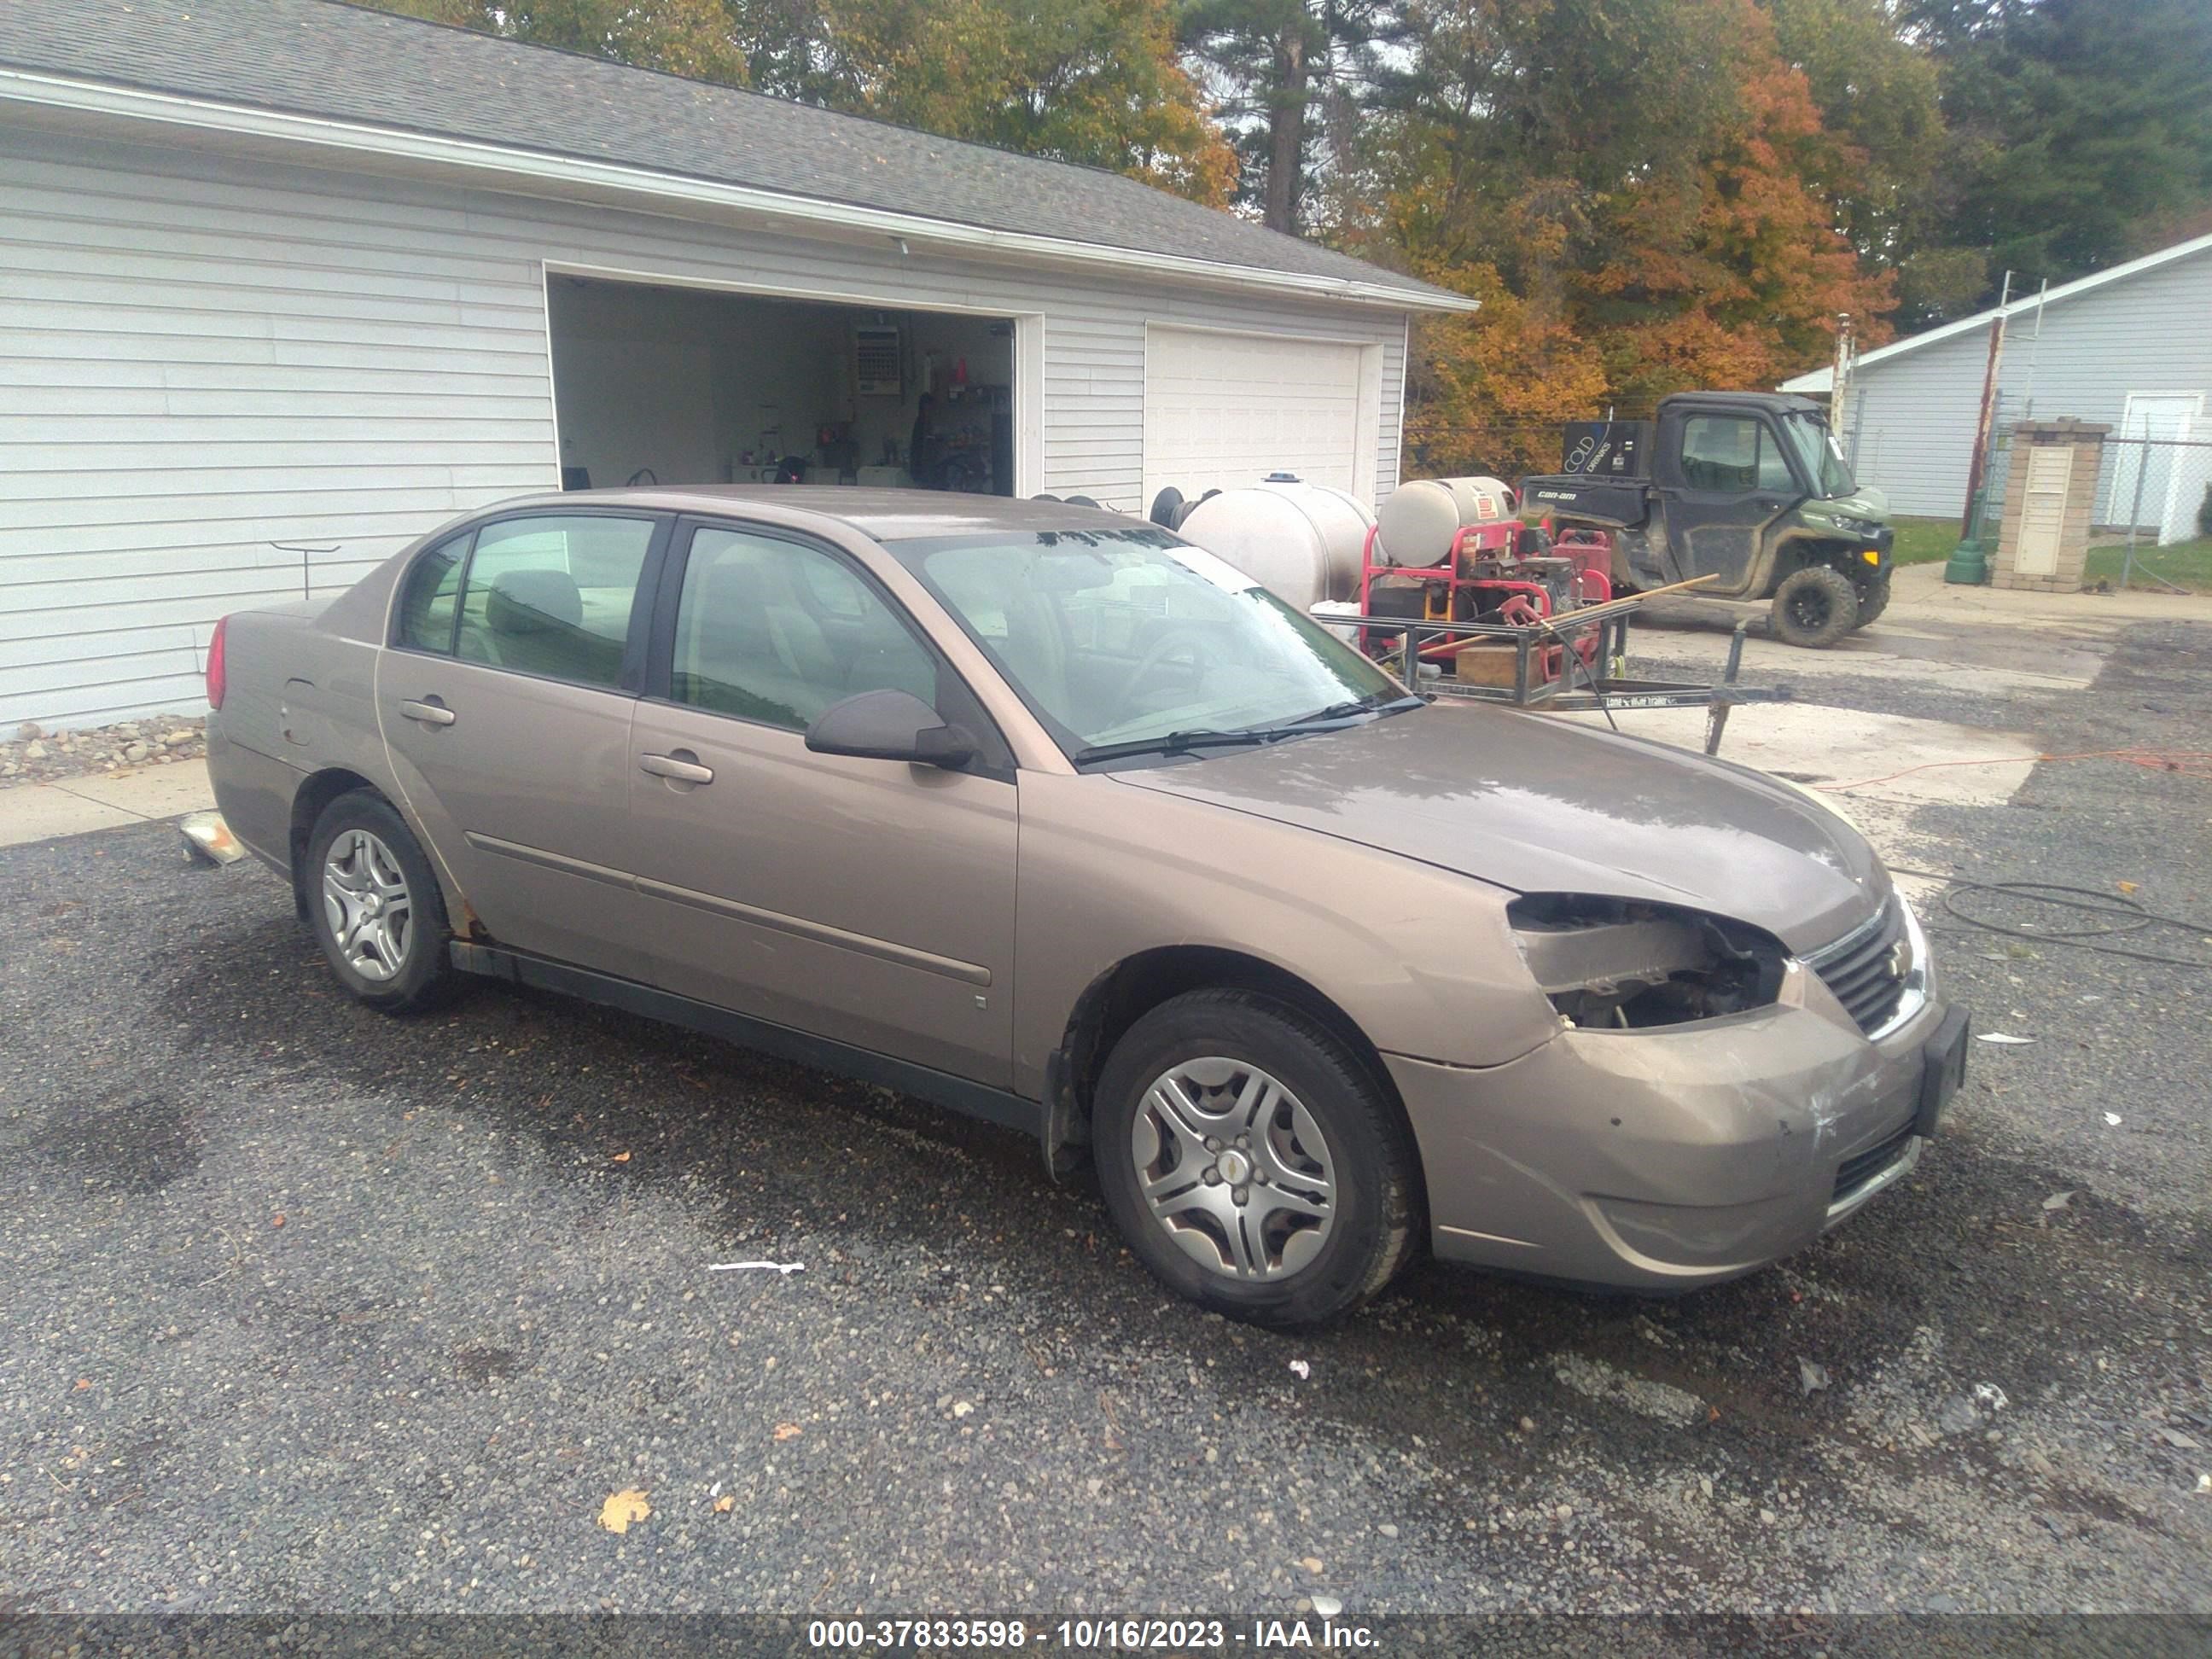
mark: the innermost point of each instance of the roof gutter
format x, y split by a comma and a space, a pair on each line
565, 176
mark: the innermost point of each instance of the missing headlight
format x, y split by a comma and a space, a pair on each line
1615, 964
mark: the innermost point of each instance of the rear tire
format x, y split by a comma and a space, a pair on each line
1252, 1162
375, 906
1815, 607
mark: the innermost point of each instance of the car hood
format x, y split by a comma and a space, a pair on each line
1537, 803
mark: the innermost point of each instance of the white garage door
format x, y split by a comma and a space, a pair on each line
1226, 410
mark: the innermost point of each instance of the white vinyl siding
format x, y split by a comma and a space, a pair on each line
207, 364
2150, 331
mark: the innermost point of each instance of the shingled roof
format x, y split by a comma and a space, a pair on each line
333, 61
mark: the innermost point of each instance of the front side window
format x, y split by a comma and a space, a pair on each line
775, 631
1733, 454
1118, 636
552, 596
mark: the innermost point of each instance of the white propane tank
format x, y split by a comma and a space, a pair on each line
1302, 542
1417, 523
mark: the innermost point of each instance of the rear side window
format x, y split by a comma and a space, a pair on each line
432, 598
552, 596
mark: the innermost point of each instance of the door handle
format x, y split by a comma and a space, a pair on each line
432, 713
673, 766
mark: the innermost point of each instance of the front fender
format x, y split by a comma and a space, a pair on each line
1421, 959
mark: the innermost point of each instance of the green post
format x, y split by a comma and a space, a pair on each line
1969, 564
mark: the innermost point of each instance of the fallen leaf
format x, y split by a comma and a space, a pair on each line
622, 1157
2127, 886
616, 1514
2059, 1200
788, 1431
84, 1382
1814, 1377
2175, 1437
276, 1220
725, 1503
2112, 1118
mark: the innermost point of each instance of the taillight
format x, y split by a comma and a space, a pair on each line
217, 679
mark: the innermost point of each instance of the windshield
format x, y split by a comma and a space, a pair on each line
1116, 637
1822, 456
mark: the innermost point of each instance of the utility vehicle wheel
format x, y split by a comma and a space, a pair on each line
375, 906
1815, 607
1873, 599
1252, 1162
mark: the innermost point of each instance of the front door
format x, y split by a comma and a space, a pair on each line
505, 701
868, 901
1731, 481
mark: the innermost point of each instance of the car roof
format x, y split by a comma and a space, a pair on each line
886, 515
1777, 403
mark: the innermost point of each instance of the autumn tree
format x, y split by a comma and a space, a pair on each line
1097, 82
1624, 247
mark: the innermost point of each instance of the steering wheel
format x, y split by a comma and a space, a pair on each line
1161, 648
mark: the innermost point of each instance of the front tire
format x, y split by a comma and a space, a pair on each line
1815, 607
374, 904
1873, 599
1252, 1162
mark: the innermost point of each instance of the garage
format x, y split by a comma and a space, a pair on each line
388, 272
680, 385
1225, 409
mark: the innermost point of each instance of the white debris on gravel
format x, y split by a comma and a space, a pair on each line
1660, 1401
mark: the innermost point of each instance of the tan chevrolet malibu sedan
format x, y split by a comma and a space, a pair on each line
1036, 812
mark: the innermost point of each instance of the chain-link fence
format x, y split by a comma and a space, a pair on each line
2154, 515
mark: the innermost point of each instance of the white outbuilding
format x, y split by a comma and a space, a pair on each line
284, 283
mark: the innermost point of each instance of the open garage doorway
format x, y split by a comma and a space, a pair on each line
675, 385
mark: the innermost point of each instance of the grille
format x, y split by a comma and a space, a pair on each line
1861, 1167
1858, 969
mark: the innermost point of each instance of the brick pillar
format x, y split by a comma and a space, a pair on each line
2051, 488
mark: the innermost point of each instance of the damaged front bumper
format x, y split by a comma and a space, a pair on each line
1673, 1156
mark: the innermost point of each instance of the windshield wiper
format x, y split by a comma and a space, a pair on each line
1175, 743
1373, 703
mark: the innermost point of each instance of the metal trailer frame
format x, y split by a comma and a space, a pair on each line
1532, 688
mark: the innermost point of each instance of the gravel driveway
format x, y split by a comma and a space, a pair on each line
306, 1308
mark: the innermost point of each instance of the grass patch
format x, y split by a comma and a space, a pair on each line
1923, 541
2189, 563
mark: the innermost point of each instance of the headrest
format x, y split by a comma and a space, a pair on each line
533, 602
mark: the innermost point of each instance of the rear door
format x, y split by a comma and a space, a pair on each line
868, 901
1725, 478
506, 699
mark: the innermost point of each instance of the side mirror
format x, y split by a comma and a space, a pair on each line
892, 725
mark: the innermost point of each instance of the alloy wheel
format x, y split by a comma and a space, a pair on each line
1235, 1168
366, 904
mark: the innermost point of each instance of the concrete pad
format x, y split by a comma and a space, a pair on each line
40, 811
109, 800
